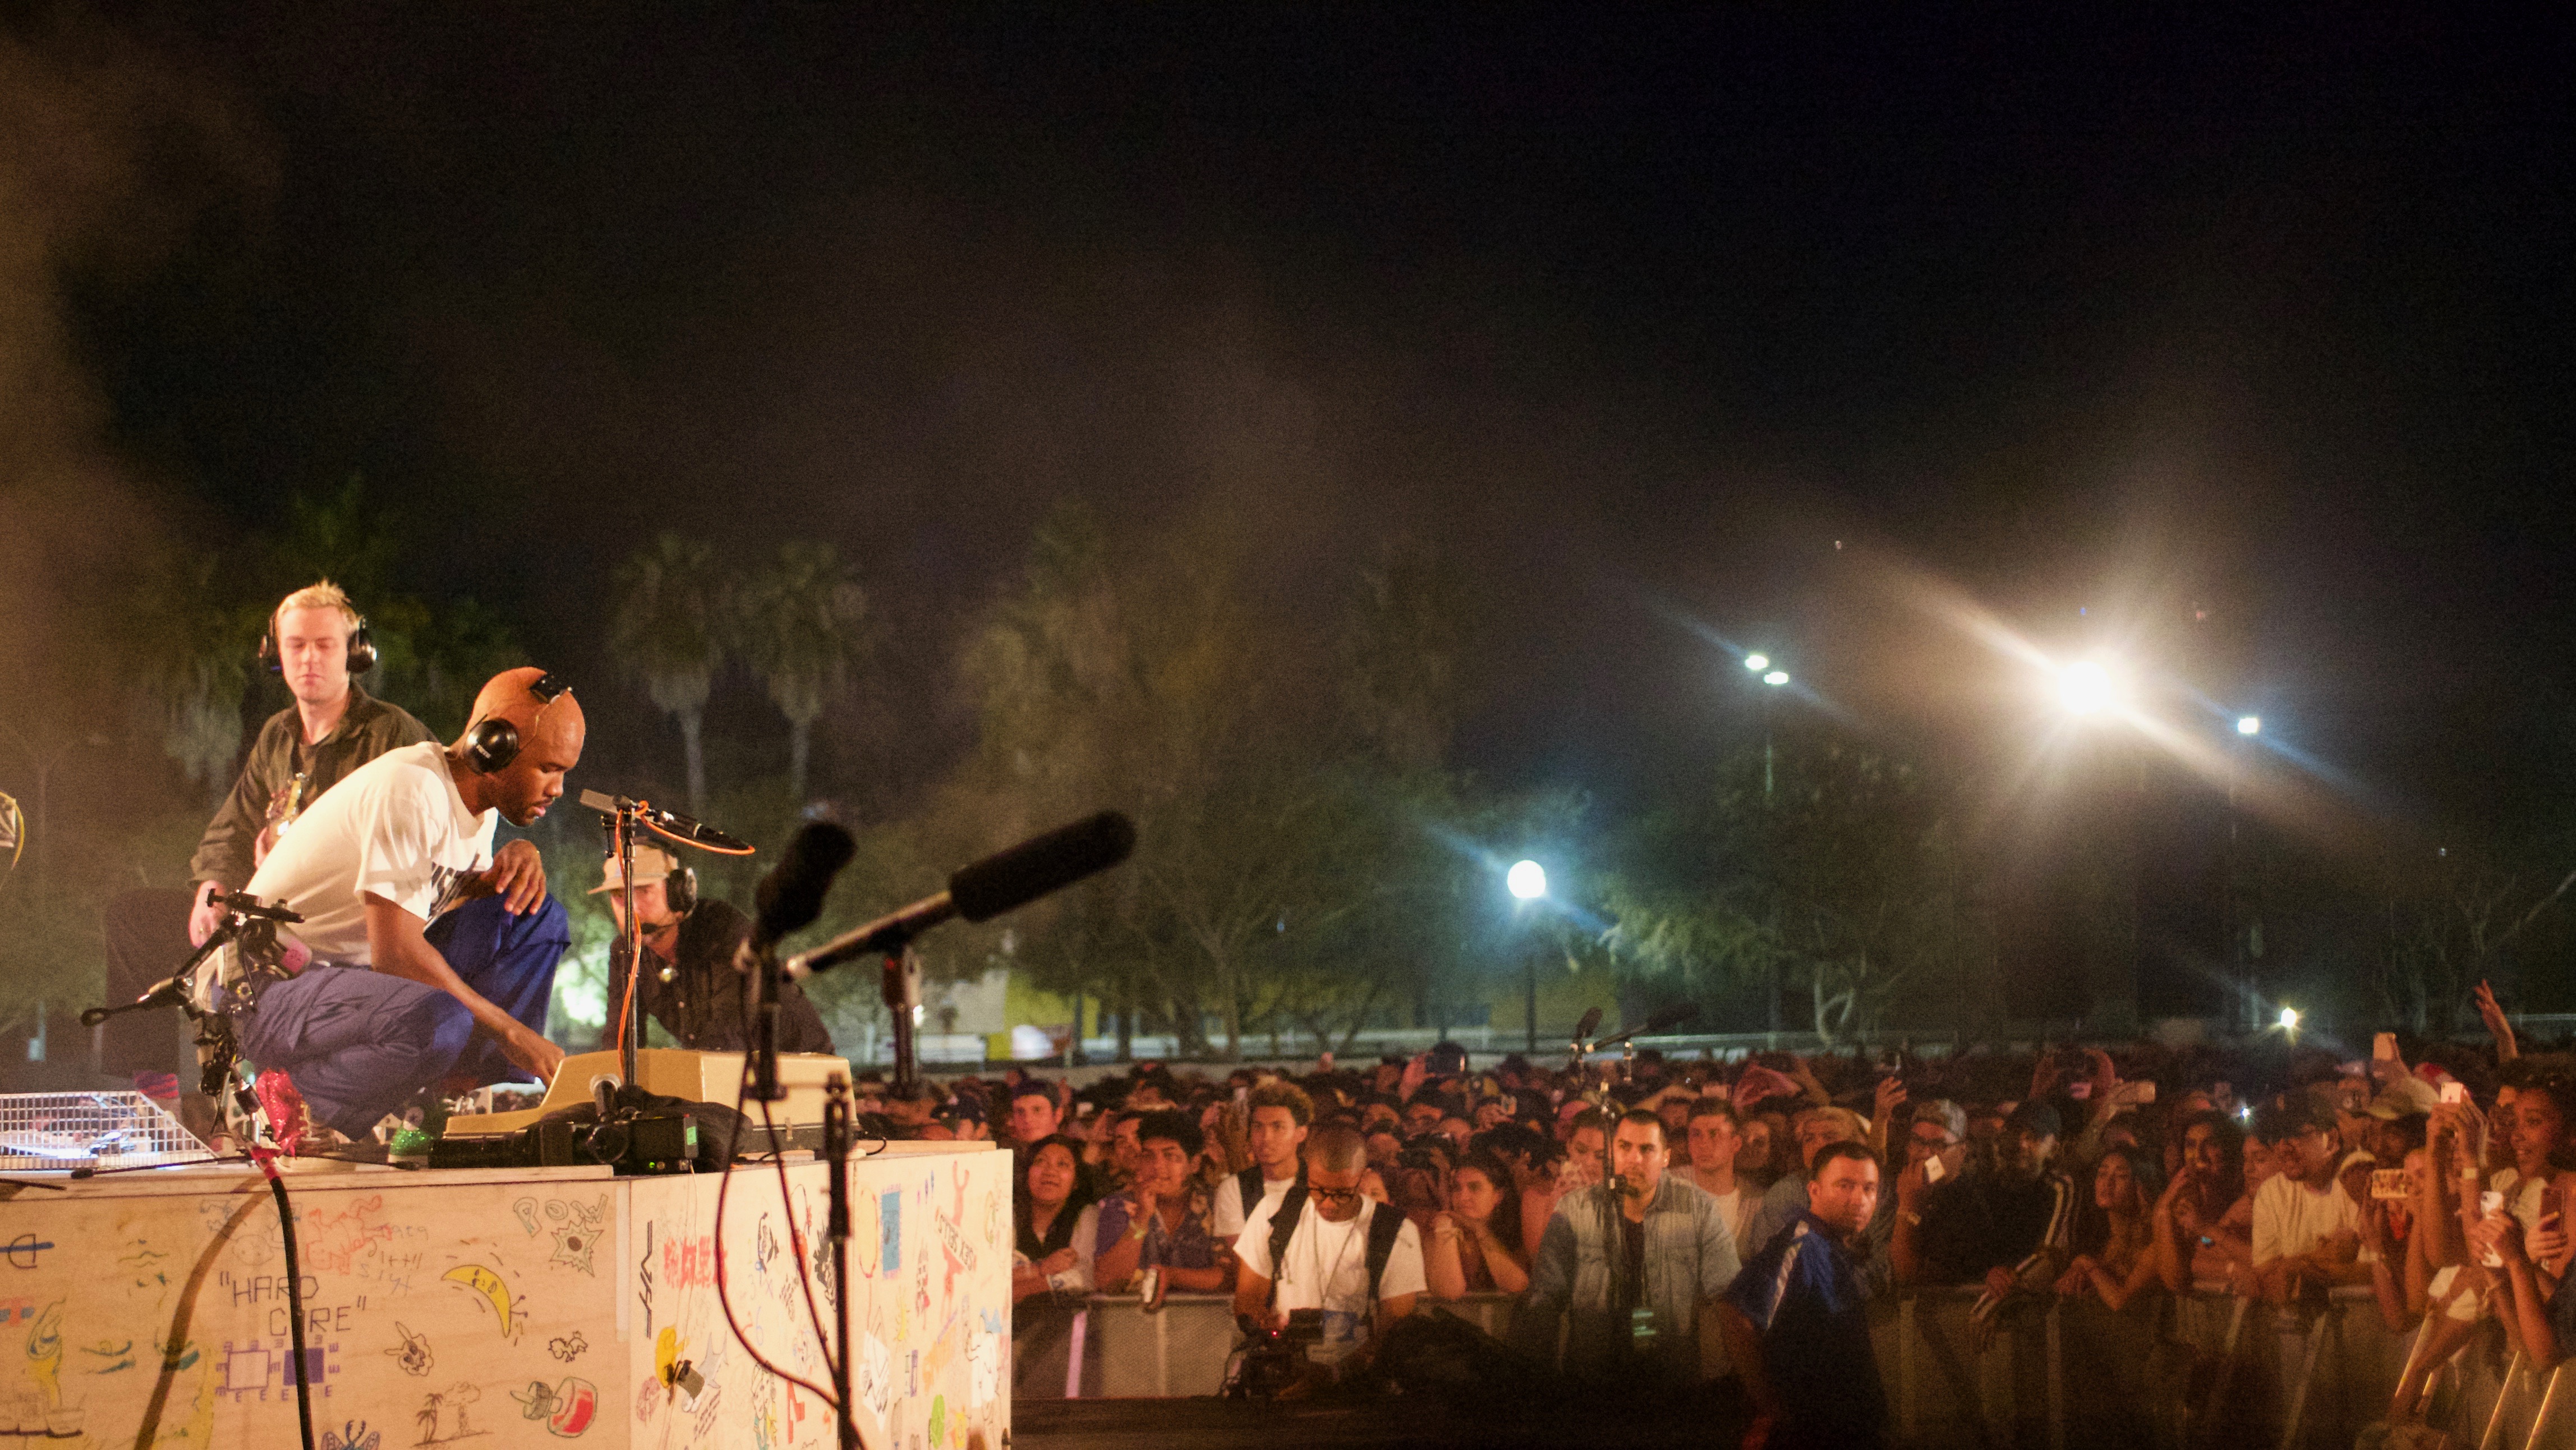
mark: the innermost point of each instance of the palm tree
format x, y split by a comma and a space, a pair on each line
800, 621
667, 629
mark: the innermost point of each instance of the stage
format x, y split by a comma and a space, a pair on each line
505, 1307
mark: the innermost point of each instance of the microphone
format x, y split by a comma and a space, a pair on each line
669, 823
986, 889
791, 895
1669, 1017
1584, 1029
164, 993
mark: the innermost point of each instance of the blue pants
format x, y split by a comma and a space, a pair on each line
361, 1044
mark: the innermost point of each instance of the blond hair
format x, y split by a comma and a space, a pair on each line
321, 594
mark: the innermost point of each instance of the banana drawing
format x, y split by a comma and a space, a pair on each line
488, 1284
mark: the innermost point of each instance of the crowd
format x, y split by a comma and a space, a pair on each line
1684, 1223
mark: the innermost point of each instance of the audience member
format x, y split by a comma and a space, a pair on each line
1796, 1325
1280, 1115
1475, 1244
1161, 1221
2003, 1226
1629, 1264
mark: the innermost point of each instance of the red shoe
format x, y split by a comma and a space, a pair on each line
288, 1118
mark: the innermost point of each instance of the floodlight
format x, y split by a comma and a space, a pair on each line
1776, 677
2086, 688
2249, 724
1757, 662
1526, 880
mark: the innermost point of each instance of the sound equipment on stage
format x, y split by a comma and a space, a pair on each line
670, 1072
1000, 882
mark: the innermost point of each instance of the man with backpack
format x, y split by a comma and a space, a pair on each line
1320, 1245
1280, 1115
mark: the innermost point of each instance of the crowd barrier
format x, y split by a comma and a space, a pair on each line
2188, 1372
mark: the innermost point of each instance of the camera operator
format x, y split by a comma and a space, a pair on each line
1321, 1246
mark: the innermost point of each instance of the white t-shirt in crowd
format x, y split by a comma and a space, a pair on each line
1326, 1267
395, 827
1226, 1215
2290, 1218
1738, 1216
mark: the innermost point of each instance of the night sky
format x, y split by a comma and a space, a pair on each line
2247, 337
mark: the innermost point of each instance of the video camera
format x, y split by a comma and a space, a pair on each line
1272, 1359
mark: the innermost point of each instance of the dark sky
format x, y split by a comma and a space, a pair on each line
2265, 317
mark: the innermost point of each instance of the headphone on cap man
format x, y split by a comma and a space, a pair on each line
362, 647
494, 742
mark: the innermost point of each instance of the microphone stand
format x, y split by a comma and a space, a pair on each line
630, 1015
836, 1231
901, 988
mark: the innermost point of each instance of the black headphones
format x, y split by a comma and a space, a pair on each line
492, 744
362, 647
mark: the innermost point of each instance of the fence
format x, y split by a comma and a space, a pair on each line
2166, 1373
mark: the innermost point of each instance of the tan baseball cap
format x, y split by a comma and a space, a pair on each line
651, 864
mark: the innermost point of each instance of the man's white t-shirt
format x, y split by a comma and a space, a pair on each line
1226, 1215
1326, 1267
395, 827
2290, 1218
1735, 1213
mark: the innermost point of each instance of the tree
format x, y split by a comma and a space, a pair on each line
800, 622
1844, 877
667, 631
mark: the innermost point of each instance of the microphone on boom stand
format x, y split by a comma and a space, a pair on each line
787, 901
671, 824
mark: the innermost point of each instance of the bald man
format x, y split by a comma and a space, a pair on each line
431, 962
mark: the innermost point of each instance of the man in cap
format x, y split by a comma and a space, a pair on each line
2004, 1227
689, 983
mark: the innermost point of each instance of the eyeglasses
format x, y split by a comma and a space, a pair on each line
1334, 1195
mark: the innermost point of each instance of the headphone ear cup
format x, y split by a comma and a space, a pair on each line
680, 891
268, 659
362, 649
491, 745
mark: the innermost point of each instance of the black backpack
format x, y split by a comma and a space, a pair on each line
1384, 1225
1248, 1186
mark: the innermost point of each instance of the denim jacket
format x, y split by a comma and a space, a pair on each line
1689, 1260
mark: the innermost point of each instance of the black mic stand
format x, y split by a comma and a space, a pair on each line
836, 1230
630, 1014
901, 987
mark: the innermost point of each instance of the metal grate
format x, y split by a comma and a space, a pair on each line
91, 1130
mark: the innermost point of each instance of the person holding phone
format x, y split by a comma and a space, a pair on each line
2203, 1223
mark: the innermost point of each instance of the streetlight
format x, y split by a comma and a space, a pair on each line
1776, 678
1527, 882
1757, 663
2249, 724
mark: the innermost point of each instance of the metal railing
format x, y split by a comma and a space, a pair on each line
2188, 1372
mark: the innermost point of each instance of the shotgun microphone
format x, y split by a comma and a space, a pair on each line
985, 890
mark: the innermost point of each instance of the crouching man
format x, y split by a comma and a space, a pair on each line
388, 999
1321, 1246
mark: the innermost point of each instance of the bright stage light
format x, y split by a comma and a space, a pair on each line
2086, 688
1776, 677
1757, 663
1526, 880
2249, 724
2289, 1019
